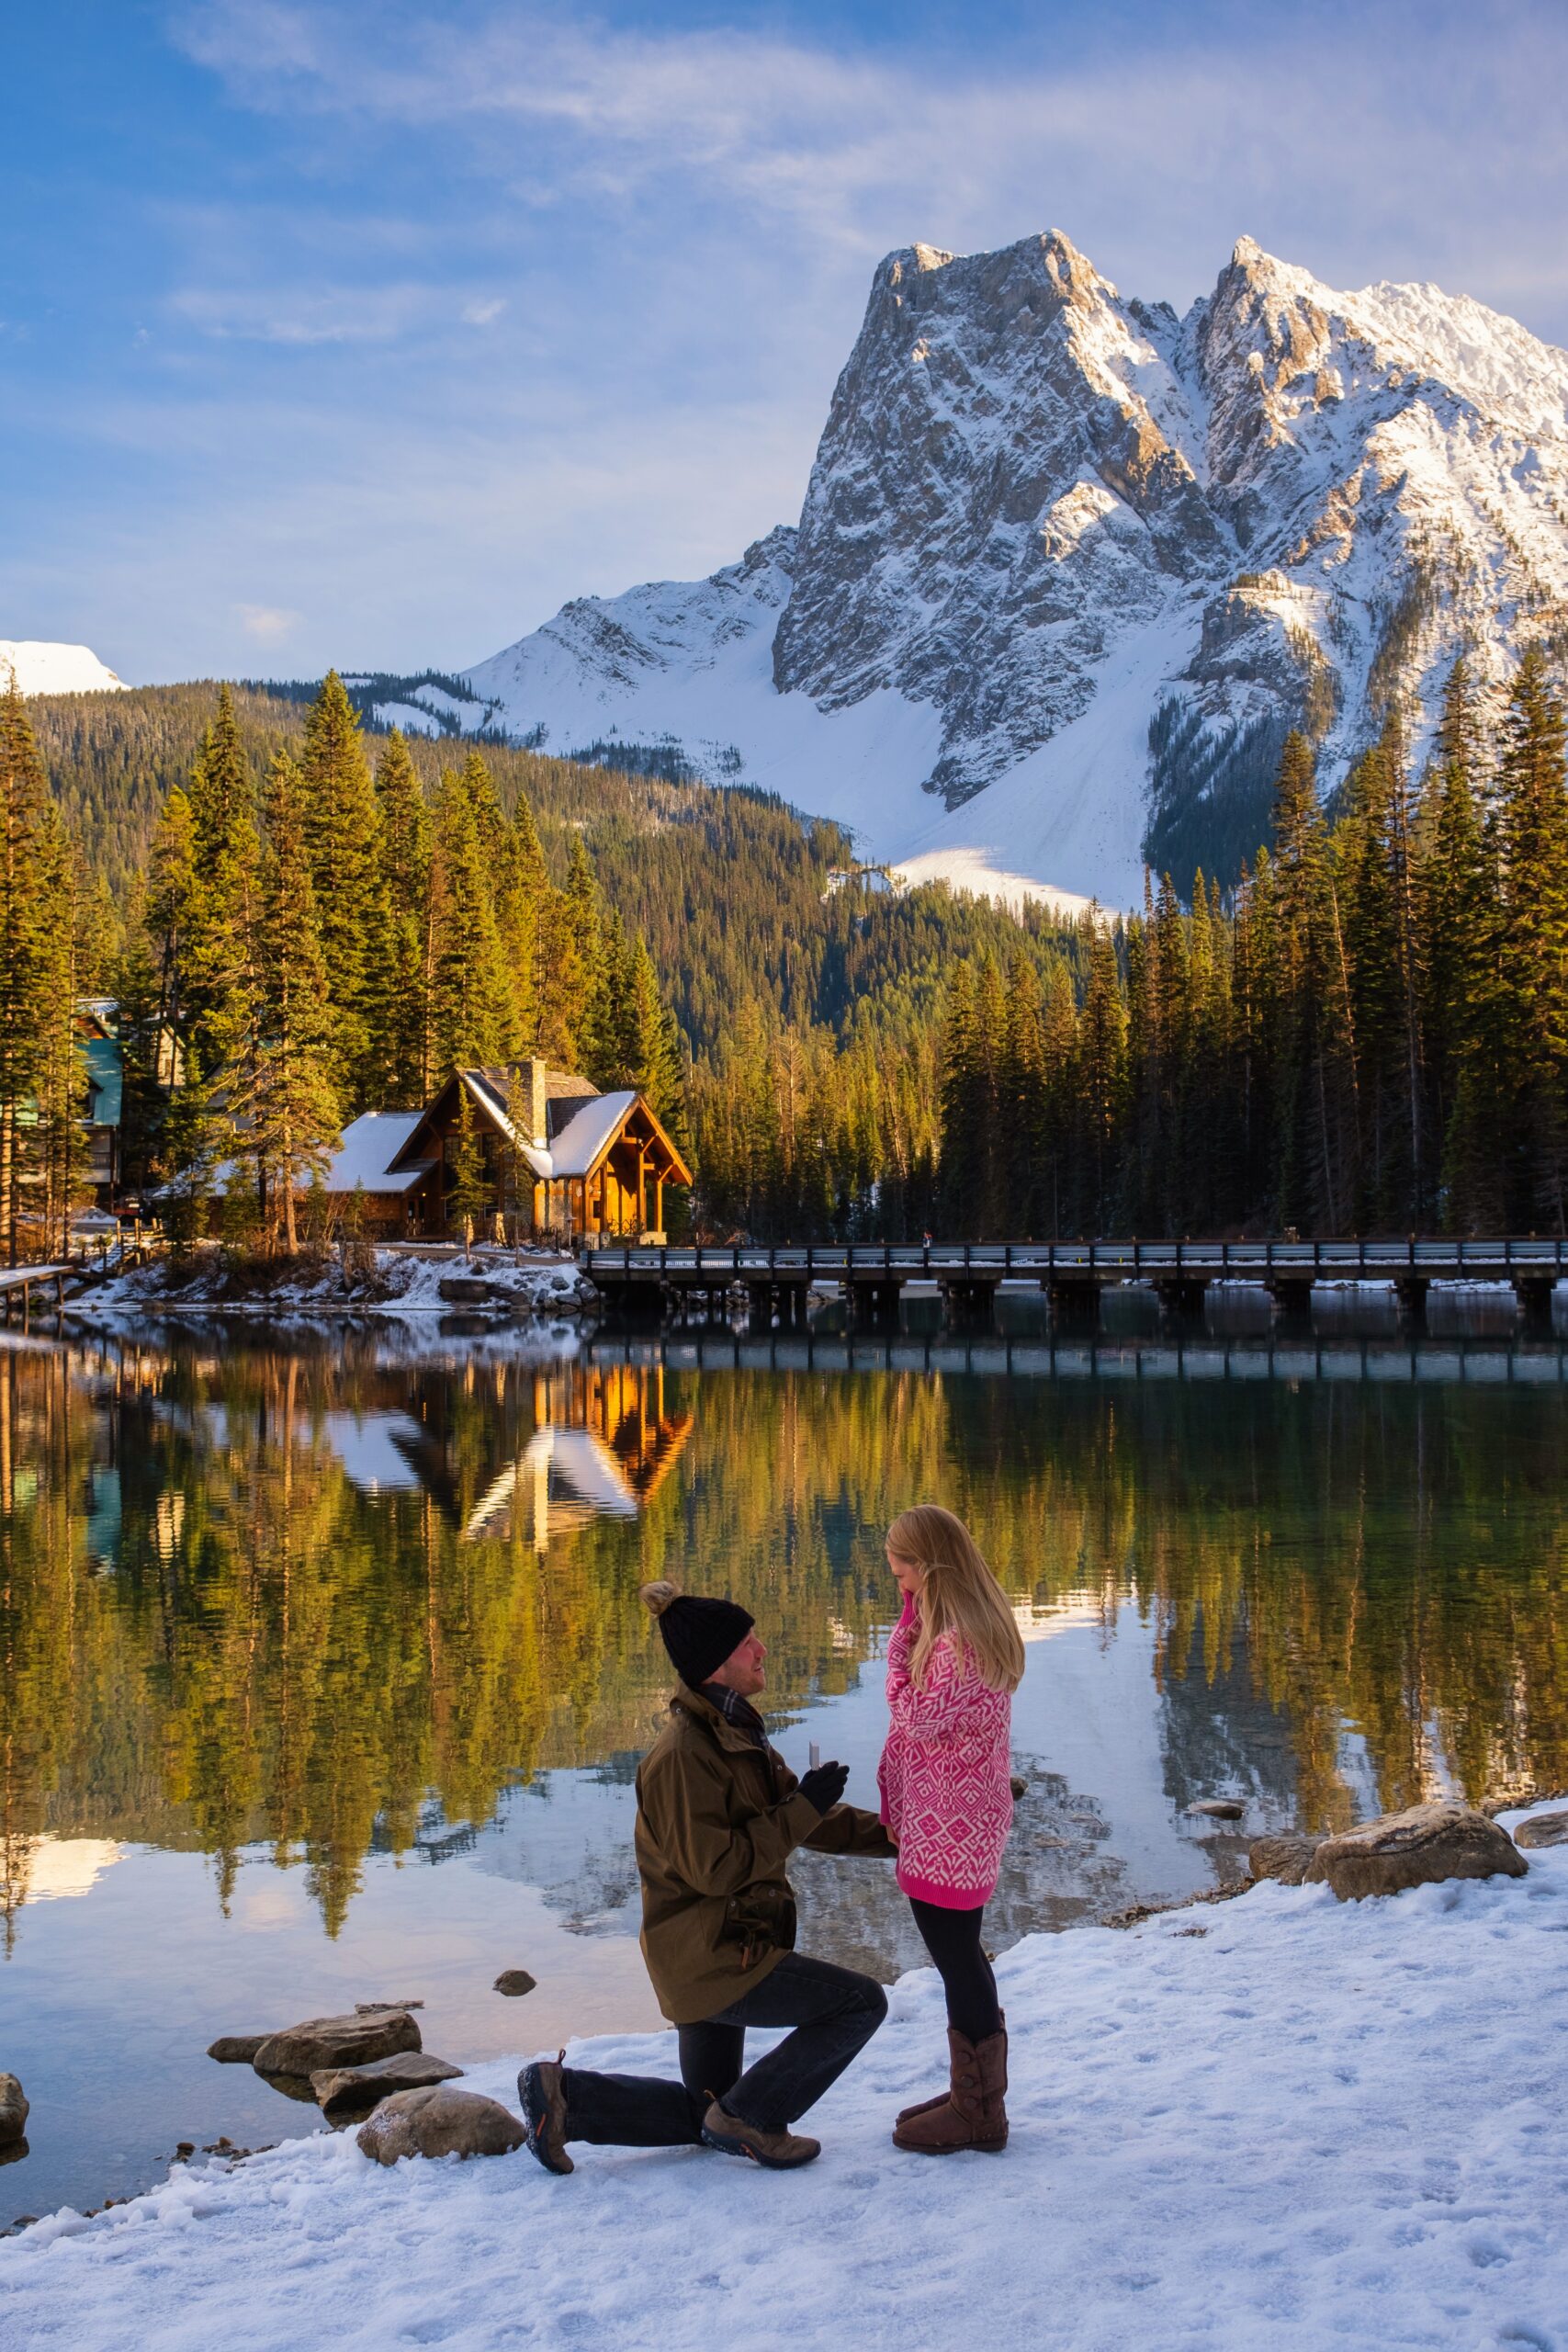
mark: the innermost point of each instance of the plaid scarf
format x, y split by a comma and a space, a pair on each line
736, 1710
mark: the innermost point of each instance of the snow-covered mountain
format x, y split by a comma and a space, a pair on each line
44, 669
1069, 567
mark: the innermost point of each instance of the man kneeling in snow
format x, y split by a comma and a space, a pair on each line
718, 1814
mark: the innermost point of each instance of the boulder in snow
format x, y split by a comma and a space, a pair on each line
515, 1982
14, 2107
1284, 1856
348, 2090
439, 2122
1544, 1829
235, 2049
1427, 1842
321, 2043
1219, 1808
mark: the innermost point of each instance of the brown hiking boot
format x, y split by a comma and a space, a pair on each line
542, 2097
778, 2151
973, 2113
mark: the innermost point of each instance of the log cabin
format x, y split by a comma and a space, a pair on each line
559, 1159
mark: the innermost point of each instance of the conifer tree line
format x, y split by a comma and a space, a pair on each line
48, 959
1370, 1033
1372, 1036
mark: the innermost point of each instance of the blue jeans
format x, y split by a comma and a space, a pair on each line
834, 2013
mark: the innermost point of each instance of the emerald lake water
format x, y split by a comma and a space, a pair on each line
323, 1676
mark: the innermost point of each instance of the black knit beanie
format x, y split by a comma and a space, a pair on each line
699, 1634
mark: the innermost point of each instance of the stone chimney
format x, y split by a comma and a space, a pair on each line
534, 1102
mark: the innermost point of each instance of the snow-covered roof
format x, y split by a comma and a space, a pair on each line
369, 1145
589, 1134
577, 1146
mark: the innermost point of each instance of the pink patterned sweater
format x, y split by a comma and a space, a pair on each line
944, 1775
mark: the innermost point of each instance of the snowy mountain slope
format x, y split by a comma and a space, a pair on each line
1069, 567
45, 669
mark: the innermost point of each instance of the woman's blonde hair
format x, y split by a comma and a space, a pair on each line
959, 1597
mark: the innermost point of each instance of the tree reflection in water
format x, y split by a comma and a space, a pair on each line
251, 1593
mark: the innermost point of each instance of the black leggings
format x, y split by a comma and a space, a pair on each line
952, 1940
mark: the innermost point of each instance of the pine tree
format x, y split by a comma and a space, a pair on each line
293, 1111
1532, 838
403, 1024
1102, 1076
343, 822
60, 1135
472, 1016
522, 887
26, 918
471, 1197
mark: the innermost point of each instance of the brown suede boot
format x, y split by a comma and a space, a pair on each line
973, 2113
924, 2106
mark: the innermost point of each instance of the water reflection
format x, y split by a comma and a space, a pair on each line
314, 1599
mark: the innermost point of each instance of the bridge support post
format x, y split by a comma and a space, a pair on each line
792, 1297
1073, 1302
1411, 1292
1182, 1294
873, 1302
1534, 1295
1291, 1295
967, 1301
759, 1303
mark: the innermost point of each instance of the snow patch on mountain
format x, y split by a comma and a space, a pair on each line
1069, 568
45, 669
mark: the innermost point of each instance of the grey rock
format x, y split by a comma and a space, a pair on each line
466, 1290
374, 2008
439, 2122
1284, 1856
1426, 1843
515, 1982
1219, 1808
348, 2090
13, 2110
235, 2049
336, 2041
1544, 1829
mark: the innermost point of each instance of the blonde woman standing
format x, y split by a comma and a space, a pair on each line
953, 1663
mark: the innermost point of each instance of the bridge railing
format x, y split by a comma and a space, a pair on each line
1042, 1259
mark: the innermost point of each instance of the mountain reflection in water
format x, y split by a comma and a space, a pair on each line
325, 1602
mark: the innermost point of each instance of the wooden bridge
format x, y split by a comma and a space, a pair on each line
872, 1276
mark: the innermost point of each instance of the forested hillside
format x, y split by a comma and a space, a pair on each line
1370, 1033
806, 995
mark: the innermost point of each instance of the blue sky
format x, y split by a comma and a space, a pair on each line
367, 332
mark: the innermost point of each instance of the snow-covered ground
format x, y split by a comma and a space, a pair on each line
540, 1284
1280, 2121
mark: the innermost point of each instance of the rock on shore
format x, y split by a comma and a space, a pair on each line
321, 2043
1425, 1843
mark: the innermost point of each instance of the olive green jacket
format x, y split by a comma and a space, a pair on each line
718, 1818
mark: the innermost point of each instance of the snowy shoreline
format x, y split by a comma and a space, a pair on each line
398, 1282
1283, 2120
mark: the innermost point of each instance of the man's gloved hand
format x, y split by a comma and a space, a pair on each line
824, 1785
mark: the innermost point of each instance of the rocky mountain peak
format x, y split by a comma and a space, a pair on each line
1068, 568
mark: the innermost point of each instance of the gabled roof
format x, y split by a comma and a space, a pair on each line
579, 1140
369, 1146
585, 1138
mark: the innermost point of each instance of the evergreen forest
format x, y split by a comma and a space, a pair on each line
300, 919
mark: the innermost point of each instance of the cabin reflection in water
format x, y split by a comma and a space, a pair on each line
603, 1445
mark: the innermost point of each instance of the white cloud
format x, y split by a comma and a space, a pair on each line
482, 315
268, 624
303, 316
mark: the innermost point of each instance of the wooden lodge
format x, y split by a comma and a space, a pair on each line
560, 1158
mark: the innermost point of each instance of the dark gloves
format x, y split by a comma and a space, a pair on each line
824, 1785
